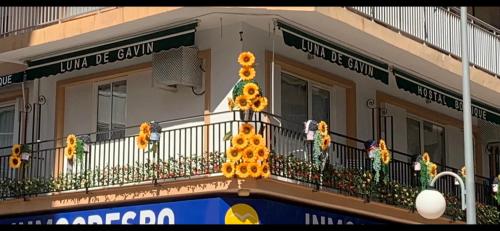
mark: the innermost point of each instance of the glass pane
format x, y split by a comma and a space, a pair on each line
413, 136
103, 111
320, 105
119, 109
6, 127
434, 142
293, 102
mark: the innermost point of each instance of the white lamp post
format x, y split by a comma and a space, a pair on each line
431, 203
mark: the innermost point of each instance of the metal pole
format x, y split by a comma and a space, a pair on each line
469, 160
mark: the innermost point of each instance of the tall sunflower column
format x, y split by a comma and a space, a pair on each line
248, 155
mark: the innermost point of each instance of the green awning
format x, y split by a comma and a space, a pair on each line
334, 53
444, 97
107, 53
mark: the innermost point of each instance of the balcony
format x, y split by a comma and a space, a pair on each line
17, 20
189, 148
439, 28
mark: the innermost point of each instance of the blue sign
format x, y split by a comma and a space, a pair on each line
216, 210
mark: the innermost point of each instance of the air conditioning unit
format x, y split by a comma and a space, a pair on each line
178, 66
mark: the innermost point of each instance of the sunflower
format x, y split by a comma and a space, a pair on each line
239, 142
257, 140
247, 130
69, 152
382, 145
426, 158
243, 102
254, 170
242, 170
247, 73
251, 90
325, 142
71, 140
463, 172
433, 170
259, 104
145, 129
16, 150
230, 103
233, 154
264, 170
262, 152
386, 158
323, 128
142, 141
14, 161
249, 154
246, 59
228, 169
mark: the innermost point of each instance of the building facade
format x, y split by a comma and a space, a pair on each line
371, 73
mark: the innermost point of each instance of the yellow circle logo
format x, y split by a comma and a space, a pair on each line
242, 214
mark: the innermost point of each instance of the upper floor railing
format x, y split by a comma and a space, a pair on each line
16, 20
440, 28
189, 147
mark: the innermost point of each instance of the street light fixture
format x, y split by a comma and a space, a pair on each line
431, 204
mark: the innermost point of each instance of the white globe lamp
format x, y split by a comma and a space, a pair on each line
430, 204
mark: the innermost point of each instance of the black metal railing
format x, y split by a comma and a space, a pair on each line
189, 147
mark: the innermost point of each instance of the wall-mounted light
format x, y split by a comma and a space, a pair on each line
155, 131
494, 186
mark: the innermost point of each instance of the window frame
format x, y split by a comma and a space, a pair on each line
310, 84
95, 103
422, 138
12, 103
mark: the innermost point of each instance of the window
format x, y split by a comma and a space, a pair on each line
6, 128
111, 110
432, 135
302, 100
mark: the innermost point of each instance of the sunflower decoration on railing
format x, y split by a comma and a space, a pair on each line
149, 135
428, 170
246, 95
19, 153
463, 173
380, 157
248, 155
322, 141
74, 148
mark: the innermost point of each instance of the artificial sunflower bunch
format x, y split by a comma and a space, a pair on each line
248, 156
247, 93
385, 158
322, 141
15, 156
74, 147
144, 135
428, 170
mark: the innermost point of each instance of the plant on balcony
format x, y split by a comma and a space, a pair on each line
74, 148
246, 94
247, 156
380, 158
144, 136
428, 170
15, 158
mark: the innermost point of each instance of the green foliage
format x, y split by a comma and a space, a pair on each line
424, 176
317, 148
376, 163
238, 88
79, 151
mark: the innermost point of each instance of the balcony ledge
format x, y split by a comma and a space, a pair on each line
209, 185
